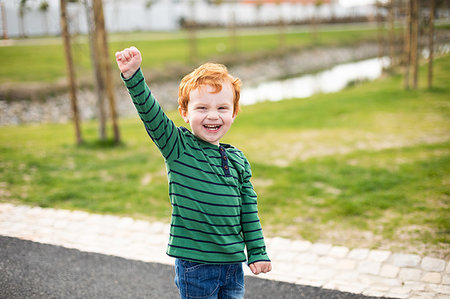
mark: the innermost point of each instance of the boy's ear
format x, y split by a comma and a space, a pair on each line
183, 114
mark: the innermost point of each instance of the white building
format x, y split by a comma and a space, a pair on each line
166, 15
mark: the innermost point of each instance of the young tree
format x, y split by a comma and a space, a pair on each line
4, 22
407, 44
380, 28
105, 63
392, 41
70, 71
43, 8
94, 46
22, 10
415, 41
431, 43
412, 44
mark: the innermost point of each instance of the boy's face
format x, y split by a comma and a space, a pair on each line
209, 114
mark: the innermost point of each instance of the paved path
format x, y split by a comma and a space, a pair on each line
359, 271
34, 270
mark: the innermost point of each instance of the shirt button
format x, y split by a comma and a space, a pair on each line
225, 158
225, 167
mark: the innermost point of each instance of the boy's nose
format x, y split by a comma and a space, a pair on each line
213, 114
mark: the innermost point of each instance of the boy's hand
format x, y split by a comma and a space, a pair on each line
128, 61
260, 267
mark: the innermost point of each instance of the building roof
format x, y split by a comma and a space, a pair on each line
287, 1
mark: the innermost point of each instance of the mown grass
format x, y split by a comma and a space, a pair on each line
45, 62
365, 167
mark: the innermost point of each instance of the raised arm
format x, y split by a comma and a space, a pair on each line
159, 127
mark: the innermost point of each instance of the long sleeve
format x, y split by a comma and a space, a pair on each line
159, 127
251, 226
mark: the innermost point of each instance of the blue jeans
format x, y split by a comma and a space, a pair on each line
209, 281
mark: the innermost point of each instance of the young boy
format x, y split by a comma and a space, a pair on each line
214, 206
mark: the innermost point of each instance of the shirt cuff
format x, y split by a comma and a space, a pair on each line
258, 255
133, 80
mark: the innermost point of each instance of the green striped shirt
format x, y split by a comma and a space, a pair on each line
214, 206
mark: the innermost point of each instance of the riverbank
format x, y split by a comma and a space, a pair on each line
56, 109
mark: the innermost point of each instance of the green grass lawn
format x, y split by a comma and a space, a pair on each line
44, 61
365, 167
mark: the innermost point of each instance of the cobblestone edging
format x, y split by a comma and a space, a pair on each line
359, 270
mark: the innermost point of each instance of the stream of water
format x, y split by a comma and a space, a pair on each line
327, 81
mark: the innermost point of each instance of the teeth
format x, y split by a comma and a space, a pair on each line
212, 126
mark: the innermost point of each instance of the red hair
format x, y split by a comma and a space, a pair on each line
212, 74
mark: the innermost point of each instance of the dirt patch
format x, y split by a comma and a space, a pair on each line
307, 144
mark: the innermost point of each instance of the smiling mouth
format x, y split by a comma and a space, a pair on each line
212, 127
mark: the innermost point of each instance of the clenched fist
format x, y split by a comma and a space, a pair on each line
128, 61
260, 267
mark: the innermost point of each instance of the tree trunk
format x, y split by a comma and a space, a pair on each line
431, 44
105, 64
70, 71
407, 59
392, 34
415, 41
94, 46
380, 30
4, 22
